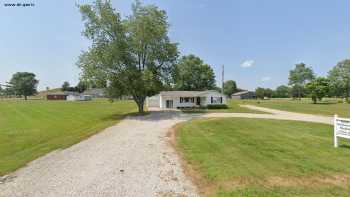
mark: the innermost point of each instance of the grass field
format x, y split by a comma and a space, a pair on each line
251, 157
29, 129
233, 107
328, 108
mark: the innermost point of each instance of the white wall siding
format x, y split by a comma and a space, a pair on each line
153, 101
205, 97
214, 94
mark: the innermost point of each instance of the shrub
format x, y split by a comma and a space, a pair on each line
217, 106
340, 101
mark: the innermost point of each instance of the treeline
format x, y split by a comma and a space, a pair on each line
80, 87
304, 83
21, 84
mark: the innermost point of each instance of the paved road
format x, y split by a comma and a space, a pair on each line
132, 159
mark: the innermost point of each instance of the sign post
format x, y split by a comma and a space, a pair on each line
341, 129
335, 131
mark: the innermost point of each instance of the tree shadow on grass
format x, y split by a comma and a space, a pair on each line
154, 116
324, 103
122, 116
344, 146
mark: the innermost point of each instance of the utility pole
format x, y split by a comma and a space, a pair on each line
222, 78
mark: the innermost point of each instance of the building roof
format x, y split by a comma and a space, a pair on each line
66, 93
241, 93
57, 93
186, 93
95, 91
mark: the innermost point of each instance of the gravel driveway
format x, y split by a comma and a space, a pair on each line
132, 159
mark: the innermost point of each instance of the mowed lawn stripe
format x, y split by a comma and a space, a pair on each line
255, 153
30, 129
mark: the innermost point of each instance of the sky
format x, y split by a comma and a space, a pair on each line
258, 41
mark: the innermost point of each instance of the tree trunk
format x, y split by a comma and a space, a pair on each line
314, 99
140, 106
140, 101
25, 97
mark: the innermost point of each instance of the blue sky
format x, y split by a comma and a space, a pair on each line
257, 41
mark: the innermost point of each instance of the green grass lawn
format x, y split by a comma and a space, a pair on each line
233, 107
29, 129
328, 108
254, 157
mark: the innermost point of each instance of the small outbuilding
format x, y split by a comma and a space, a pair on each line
56, 96
68, 96
185, 99
244, 95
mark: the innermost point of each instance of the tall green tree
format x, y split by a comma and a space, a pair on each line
299, 76
192, 73
268, 92
81, 86
339, 78
318, 88
65, 86
282, 92
297, 91
24, 84
230, 87
133, 55
260, 92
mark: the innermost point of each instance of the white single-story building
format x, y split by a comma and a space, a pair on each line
183, 99
73, 97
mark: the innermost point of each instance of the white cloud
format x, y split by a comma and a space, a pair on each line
266, 79
247, 63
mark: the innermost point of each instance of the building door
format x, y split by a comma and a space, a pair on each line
169, 104
198, 101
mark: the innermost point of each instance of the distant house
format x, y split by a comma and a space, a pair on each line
57, 96
244, 95
79, 97
69, 96
95, 92
184, 99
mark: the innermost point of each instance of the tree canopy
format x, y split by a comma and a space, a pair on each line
192, 73
299, 76
230, 87
318, 88
339, 78
134, 56
65, 86
260, 92
282, 92
24, 84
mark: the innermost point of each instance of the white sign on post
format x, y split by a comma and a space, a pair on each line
341, 129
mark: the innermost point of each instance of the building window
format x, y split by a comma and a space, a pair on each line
186, 99
216, 100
